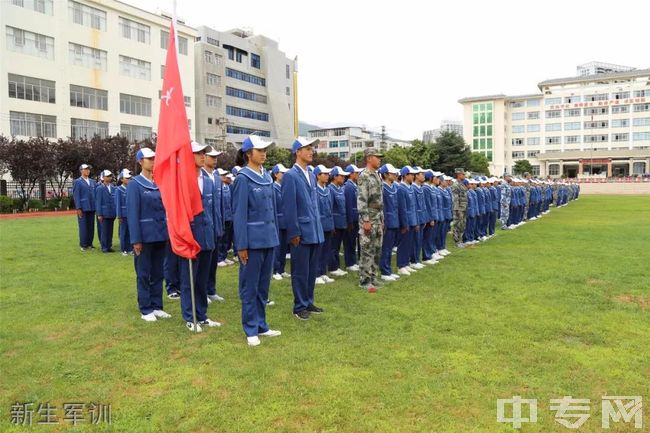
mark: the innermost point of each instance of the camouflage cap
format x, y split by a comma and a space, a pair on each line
459, 171
371, 151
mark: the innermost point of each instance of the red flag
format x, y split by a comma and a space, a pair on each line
174, 169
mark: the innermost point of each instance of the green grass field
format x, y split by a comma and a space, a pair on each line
557, 307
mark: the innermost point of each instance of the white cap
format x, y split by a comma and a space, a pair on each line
230, 176
221, 171
106, 173
145, 152
254, 142
125, 174
321, 169
390, 168
197, 147
213, 152
301, 142
84, 166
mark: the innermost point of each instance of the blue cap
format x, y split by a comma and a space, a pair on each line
338, 171
388, 168
254, 142
428, 174
279, 168
322, 169
301, 142
145, 152
353, 169
407, 169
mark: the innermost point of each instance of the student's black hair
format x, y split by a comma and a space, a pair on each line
241, 159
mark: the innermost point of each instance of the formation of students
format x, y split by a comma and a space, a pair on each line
305, 213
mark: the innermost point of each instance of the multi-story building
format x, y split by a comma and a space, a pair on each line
244, 85
596, 124
83, 67
345, 141
445, 126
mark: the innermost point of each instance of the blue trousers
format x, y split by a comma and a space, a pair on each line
324, 254
200, 268
389, 241
416, 249
280, 253
172, 271
225, 241
254, 282
428, 241
492, 222
438, 231
86, 229
125, 241
351, 245
335, 248
404, 247
99, 231
149, 276
106, 228
303, 275
212, 273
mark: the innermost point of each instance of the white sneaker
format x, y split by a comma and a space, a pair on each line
253, 341
404, 271
418, 266
411, 269
395, 276
430, 262
277, 276
286, 275
222, 264
339, 273
445, 252
394, 249
271, 333
161, 314
149, 317
354, 268
319, 280
210, 323
287, 256
215, 297
327, 279
125, 253
229, 262
190, 326
387, 278
270, 303
437, 256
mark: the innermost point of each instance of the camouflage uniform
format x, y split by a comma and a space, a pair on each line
527, 199
506, 197
459, 192
370, 203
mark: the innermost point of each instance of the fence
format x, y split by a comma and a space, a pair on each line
42, 191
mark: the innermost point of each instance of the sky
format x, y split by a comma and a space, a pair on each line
405, 64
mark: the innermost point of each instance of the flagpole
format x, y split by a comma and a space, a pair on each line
192, 296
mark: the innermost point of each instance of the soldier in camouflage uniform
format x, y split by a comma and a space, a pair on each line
459, 193
370, 204
506, 197
527, 192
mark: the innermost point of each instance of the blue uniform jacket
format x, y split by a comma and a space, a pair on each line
203, 224
440, 204
300, 207
105, 201
480, 200
226, 194
325, 205
472, 203
84, 194
277, 189
120, 201
254, 213
352, 214
391, 206
429, 201
145, 212
447, 203
422, 214
217, 197
338, 212
407, 202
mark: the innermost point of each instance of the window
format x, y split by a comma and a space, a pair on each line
343, 155
33, 44
518, 155
288, 70
233, 73
212, 41
621, 95
135, 68
518, 116
532, 141
601, 124
641, 136
135, 132
533, 153
137, 105
553, 114
516, 104
532, 128
333, 144
642, 93
620, 123
552, 101
553, 127
212, 101
188, 101
249, 114
571, 139
88, 128
255, 61
516, 129
553, 140
42, 6
595, 138
135, 31
231, 129
596, 97
287, 91
532, 103
535, 171
638, 108
87, 57
596, 111
554, 169
571, 126
87, 97
621, 137
87, 16
213, 79
31, 89
619, 109
213, 59
182, 45
532, 115
517, 141
642, 121
574, 112
572, 99
162, 72
243, 94
32, 124
164, 39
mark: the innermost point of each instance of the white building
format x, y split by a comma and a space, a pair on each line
597, 124
244, 85
79, 68
593, 68
345, 141
445, 126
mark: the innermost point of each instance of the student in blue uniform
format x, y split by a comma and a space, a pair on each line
422, 217
280, 259
105, 203
391, 220
304, 229
351, 236
325, 207
120, 211
431, 227
448, 205
256, 236
204, 234
469, 237
225, 242
210, 171
495, 205
408, 220
148, 234
339, 215
83, 191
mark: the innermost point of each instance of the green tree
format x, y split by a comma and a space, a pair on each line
523, 166
479, 164
451, 152
398, 156
277, 155
421, 154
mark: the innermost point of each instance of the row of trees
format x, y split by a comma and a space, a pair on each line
55, 162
